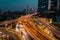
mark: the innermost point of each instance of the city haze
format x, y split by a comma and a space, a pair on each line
17, 5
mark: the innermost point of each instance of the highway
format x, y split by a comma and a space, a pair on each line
15, 20
36, 35
33, 30
52, 28
7, 35
40, 31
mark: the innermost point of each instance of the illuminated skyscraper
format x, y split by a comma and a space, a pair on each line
48, 5
49, 8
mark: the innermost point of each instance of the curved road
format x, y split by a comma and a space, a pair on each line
11, 35
53, 30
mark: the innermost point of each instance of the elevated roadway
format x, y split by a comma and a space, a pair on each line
52, 28
32, 30
11, 35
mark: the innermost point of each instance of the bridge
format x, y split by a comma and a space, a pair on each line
32, 28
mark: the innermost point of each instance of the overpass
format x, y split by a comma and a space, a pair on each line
34, 30
6, 34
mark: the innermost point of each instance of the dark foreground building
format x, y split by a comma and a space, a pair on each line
49, 8
48, 5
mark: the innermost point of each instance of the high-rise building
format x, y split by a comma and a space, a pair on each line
0, 11
42, 5
53, 5
48, 5
49, 8
58, 5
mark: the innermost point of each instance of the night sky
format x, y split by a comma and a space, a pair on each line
17, 5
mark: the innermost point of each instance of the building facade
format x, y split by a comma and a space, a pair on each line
42, 5
48, 5
49, 8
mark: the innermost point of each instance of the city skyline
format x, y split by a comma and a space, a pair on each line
17, 5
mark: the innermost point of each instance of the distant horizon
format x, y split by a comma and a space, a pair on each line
17, 5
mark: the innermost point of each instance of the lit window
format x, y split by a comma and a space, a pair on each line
43, 6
